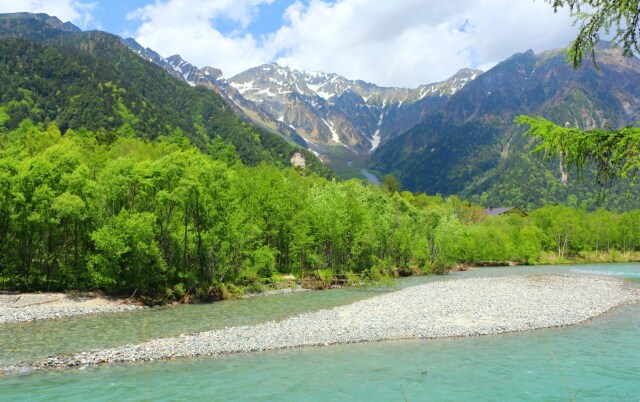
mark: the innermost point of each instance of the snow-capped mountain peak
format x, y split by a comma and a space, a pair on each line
318, 109
330, 109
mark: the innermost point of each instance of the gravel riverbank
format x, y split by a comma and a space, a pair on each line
453, 308
296, 289
45, 306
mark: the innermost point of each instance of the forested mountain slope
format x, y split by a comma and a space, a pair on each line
472, 148
464, 143
91, 80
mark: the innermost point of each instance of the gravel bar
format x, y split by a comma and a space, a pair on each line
297, 289
454, 308
46, 306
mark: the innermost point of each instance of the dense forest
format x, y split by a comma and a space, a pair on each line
161, 219
90, 80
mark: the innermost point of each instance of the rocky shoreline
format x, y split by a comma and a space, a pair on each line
15, 308
455, 308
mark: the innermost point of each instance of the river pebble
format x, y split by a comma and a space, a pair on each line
283, 291
16, 308
466, 307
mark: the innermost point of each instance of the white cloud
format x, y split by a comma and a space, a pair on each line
185, 27
400, 42
78, 12
406, 42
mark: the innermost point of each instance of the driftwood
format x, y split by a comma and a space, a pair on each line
33, 304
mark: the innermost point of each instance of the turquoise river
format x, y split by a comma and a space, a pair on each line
595, 361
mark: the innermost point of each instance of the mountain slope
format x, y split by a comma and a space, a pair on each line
328, 109
212, 78
34, 27
471, 146
91, 80
340, 120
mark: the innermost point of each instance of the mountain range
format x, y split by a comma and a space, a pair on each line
451, 137
328, 109
471, 146
318, 110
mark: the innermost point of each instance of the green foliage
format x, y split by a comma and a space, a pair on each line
164, 221
615, 154
619, 18
90, 80
127, 253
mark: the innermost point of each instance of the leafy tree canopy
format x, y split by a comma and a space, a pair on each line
615, 154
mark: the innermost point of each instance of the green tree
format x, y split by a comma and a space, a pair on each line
601, 226
614, 153
529, 244
128, 258
564, 228
390, 184
617, 17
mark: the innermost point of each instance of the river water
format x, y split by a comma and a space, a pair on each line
372, 178
599, 360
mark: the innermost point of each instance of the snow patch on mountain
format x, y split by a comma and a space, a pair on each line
243, 87
316, 88
310, 98
334, 134
375, 140
325, 95
266, 92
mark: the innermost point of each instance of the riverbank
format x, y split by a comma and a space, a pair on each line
467, 307
589, 257
274, 292
552, 258
24, 307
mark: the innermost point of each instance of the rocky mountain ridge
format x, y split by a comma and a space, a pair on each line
213, 79
318, 110
472, 147
328, 109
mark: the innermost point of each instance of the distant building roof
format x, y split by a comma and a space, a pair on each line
507, 210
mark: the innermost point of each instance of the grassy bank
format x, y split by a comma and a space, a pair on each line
590, 257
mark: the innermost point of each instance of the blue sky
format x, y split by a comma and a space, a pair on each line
111, 16
387, 42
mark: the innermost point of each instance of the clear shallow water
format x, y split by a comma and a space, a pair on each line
28, 341
595, 361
